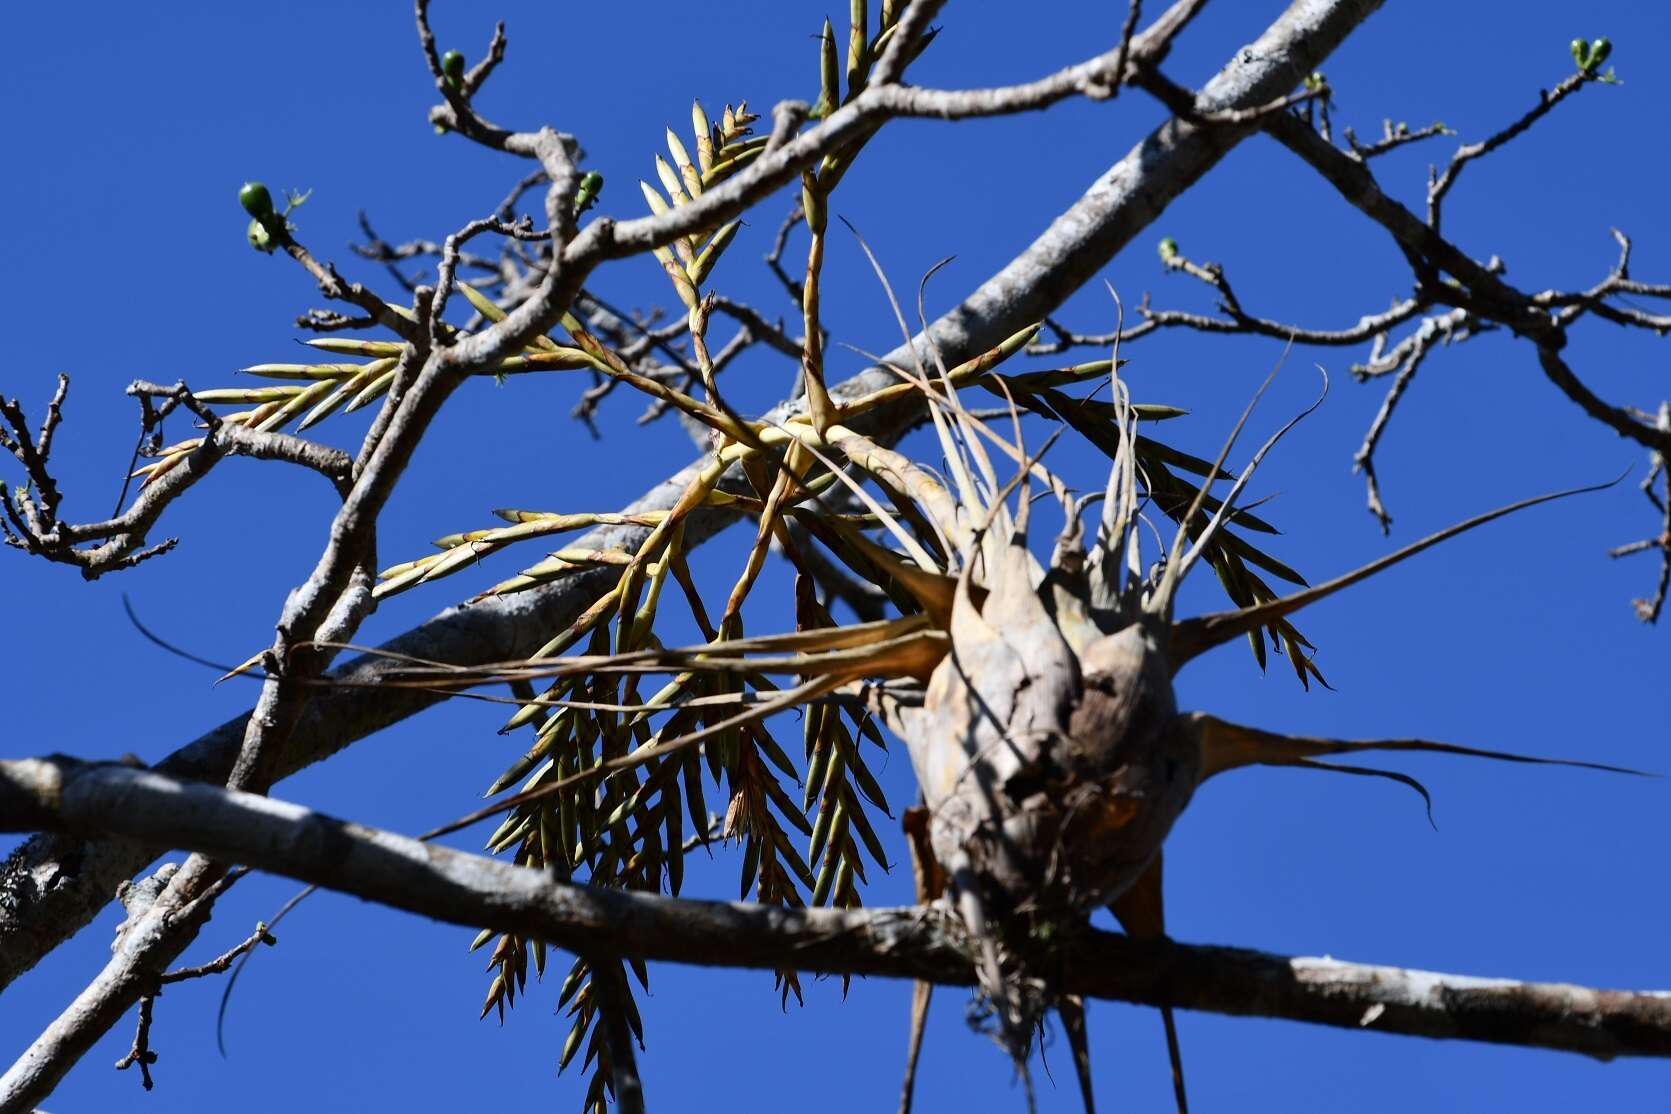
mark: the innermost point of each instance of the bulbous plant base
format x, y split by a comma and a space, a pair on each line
1051, 794
1053, 764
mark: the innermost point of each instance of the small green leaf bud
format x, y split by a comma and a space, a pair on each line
452, 67
255, 199
591, 184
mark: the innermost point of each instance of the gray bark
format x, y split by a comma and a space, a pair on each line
920, 943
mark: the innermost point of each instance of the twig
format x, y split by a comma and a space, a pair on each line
773, 258
1407, 357
141, 1053
329, 321
1392, 138
1134, 12
223, 961
332, 285
1649, 609
507, 207
772, 335
518, 230
1547, 100
1252, 115
123, 537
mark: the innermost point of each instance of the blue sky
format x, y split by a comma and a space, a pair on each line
131, 131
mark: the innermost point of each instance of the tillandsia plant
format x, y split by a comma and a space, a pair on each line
1035, 699
1032, 686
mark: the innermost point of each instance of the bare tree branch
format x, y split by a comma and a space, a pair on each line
1468, 153
920, 943
1482, 291
1406, 357
1393, 136
122, 540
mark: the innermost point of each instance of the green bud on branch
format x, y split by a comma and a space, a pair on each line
267, 228
591, 184
1590, 55
255, 199
452, 68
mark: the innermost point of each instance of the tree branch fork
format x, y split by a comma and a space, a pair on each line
63, 794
